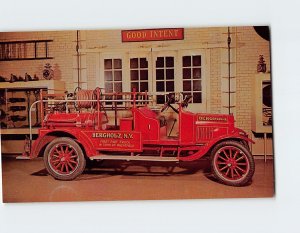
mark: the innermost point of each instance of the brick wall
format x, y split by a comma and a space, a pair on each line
248, 48
61, 49
215, 80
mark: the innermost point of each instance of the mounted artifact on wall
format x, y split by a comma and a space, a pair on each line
261, 65
48, 72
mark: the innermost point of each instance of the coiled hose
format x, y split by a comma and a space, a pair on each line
86, 95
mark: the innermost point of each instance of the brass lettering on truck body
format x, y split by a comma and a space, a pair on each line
113, 135
212, 118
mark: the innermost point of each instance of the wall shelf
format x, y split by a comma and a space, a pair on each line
14, 133
56, 85
24, 50
18, 131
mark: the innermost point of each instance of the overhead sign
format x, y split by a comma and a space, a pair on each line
152, 34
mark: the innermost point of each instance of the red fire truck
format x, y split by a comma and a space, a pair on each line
77, 128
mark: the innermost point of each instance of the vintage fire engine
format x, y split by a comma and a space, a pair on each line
77, 128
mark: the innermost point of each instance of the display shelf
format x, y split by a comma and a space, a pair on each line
258, 120
261, 116
18, 131
29, 92
24, 50
13, 136
51, 85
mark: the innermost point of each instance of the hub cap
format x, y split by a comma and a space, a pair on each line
231, 163
63, 159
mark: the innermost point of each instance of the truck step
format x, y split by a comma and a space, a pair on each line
22, 157
137, 158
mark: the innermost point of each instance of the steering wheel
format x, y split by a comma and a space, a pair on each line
170, 99
186, 101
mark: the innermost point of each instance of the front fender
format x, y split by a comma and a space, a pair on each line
206, 148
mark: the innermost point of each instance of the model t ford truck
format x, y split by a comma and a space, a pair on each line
77, 128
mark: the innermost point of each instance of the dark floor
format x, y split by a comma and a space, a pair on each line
28, 181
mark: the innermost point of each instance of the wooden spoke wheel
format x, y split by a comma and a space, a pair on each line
64, 159
232, 163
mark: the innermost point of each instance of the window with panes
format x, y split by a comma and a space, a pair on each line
192, 77
139, 74
164, 77
113, 76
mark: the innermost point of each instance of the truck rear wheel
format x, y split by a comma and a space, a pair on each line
64, 159
232, 163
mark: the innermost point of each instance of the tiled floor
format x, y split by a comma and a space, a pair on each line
27, 181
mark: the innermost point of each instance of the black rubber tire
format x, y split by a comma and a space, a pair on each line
246, 178
81, 159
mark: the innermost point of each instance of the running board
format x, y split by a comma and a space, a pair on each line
22, 157
137, 158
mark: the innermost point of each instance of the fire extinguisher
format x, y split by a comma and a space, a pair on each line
26, 151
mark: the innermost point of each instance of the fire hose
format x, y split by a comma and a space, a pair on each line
86, 95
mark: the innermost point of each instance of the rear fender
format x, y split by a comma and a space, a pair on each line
87, 145
42, 141
39, 145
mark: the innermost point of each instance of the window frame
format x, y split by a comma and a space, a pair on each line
113, 71
151, 57
204, 106
191, 79
101, 72
139, 69
165, 54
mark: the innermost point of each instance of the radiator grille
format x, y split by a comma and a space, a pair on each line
205, 133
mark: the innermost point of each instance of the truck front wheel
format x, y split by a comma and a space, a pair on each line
232, 163
64, 159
